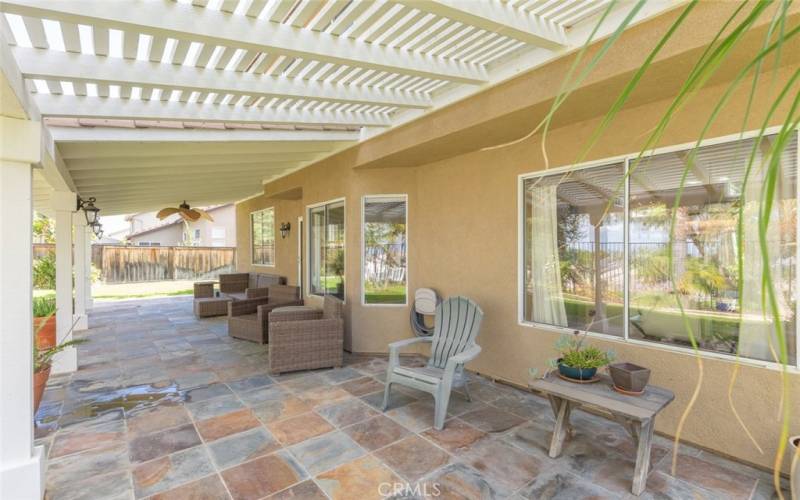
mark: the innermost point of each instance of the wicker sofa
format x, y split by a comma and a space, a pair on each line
305, 338
233, 286
248, 318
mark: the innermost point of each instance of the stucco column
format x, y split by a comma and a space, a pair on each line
81, 272
87, 284
21, 464
64, 204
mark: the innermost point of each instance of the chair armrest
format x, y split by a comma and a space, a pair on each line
459, 359
278, 316
265, 309
394, 348
254, 293
247, 306
467, 355
203, 290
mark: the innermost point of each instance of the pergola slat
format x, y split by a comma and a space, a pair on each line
86, 68
184, 22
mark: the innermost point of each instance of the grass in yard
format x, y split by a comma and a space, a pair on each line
143, 295
121, 292
393, 294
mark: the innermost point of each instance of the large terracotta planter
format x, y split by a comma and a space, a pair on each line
46, 337
39, 383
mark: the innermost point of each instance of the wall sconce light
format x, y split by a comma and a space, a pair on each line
88, 209
285, 228
97, 229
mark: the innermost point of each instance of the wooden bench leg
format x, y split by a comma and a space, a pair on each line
561, 427
643, 456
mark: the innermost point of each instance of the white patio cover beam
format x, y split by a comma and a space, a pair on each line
80, 167
497, 17
274, 149
167, 168
61, 66
95, 134
98, 107
183, 22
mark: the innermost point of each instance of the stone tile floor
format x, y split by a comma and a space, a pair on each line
168, 406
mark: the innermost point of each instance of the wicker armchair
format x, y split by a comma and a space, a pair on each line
240, 286
248, 319
304, 338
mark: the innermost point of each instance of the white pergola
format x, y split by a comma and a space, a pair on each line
143, 104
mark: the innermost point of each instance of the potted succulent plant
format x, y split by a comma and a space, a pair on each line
44, 321
42, 362
577, 361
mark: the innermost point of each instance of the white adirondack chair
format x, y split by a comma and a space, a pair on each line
458, 321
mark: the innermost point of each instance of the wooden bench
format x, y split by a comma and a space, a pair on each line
637, 414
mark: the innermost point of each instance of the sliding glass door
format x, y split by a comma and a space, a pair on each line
326, 249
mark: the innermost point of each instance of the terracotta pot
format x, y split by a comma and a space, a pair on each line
794, 443
39, 383
629, 377
46, 337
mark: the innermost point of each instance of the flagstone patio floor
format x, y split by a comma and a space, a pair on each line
166, 406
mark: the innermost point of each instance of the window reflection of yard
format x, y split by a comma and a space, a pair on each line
702, 258
384, 250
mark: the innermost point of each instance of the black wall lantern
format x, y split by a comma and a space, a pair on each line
285, 228
88, 209
97, 229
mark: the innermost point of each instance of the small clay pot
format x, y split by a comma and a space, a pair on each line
629, 377
46, 334
39, 383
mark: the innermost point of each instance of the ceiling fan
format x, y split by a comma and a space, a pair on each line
186, 212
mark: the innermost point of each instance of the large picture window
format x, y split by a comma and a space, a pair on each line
262, 230
384, 245
598, 248
326, 249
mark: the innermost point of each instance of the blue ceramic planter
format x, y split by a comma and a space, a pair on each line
576, 373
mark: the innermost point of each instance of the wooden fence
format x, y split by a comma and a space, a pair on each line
131, 264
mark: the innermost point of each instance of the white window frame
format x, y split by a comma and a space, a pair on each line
627, 158
364, 200
307, 223
252, 243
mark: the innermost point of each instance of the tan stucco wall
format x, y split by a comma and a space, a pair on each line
463, 232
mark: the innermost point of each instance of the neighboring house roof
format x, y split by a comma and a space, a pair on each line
169, 223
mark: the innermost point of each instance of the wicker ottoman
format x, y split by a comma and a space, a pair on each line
211, 306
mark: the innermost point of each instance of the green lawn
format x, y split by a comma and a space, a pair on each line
122, 291
393, 294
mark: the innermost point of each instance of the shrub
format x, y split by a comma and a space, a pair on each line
44, 272
44, 306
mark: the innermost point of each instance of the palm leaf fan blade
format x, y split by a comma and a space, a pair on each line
204, 215
166, 212
190, 214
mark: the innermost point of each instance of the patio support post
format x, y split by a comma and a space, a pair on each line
87, 283
64, 204
81, 272
21, 464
